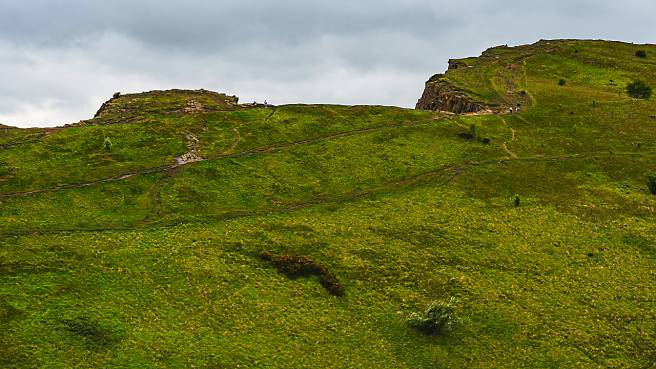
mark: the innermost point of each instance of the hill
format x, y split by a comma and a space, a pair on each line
180, 228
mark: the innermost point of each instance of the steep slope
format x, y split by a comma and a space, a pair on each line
114, 253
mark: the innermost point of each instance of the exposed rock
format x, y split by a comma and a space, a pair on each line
192, 156
457, 63
194, 107
441, 95
106, 106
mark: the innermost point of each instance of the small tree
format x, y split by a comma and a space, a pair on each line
438, 318
641, 54
639, 90
517, 200
651, 181
116, 95
561, 82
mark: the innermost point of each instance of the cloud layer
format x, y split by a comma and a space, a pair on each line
59, 60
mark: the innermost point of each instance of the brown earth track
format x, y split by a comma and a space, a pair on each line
247, 153
437, 176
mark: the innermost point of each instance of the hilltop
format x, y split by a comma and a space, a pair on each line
181, 228
494, 81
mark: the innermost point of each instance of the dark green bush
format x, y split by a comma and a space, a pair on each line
641, 54
639, 90
561, 82
438, 318
116, 95
651, 181
302, 266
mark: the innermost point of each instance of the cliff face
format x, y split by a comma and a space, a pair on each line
440, 94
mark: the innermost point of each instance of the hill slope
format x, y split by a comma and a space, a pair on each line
148, 236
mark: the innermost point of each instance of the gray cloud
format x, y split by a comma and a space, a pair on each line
60, 59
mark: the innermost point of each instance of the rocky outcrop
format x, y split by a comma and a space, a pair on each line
167, 102
441, 95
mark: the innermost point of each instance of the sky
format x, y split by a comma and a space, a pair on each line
61, 59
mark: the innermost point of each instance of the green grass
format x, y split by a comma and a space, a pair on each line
164, 268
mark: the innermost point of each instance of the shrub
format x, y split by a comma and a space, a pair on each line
517, 200
107, 144
561, 82
438, 318
651, 181
641, 54
116, 95
638, 90
302, 266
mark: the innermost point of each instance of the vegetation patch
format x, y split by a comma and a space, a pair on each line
438, 318
651, 182
89, 330
294, 266
8, 311
639, 90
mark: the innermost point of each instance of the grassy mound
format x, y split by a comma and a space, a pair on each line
123, 257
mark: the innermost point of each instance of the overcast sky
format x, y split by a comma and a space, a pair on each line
60, 59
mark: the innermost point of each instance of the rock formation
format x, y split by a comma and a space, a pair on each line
441, 95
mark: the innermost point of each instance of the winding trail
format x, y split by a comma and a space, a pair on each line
236, 142
437, 176
247, 153
504, 145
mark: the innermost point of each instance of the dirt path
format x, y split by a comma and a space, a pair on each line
504, 145
438, 176
185, 160
511, 155
283, 146
236, 142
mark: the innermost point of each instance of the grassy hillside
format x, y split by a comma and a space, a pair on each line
136, 239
